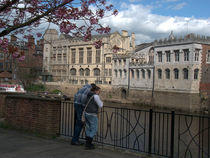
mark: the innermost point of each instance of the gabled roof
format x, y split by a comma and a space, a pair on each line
5, 74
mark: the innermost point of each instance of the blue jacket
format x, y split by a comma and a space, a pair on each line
81, 96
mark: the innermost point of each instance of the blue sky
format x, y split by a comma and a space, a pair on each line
155, 19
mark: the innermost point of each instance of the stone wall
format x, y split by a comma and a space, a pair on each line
36, 114
167, 100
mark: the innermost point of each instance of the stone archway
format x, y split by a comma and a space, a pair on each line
123, 94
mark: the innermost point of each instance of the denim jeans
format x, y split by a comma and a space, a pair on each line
91, 125
78, 124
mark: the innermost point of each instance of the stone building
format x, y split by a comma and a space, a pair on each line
77, 61
172, 73
181, 65
139, 64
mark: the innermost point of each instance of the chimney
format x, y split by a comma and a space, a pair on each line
124, 33
13, 38
31, 40
133, 43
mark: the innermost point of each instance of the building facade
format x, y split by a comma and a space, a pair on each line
78, 62
15, 69
179, 64
171, 65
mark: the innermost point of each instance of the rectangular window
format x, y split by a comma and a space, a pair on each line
108, 59
208, 57
59, 57
168, 56
159, 56
89, 55
176, 53
197, 54
186, 54
53, 58
81, 54
1, 56
64, 58
73, 56
98, 55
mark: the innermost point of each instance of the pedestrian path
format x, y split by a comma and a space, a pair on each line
16, 144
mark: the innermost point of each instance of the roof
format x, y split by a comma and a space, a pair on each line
5, 74
143, 46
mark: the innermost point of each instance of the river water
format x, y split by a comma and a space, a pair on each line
158, 133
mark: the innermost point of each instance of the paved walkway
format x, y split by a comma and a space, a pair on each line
15, 144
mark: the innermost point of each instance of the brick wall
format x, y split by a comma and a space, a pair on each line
2, 105
205, 74
36, 114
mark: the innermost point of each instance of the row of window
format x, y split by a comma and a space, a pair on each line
186, 54
134, 73
59, 56
176, 73
85, 72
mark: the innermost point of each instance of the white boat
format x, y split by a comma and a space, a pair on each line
16, 88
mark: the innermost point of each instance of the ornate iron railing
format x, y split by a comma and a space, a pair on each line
160, 133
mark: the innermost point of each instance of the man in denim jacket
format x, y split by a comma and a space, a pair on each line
79, 103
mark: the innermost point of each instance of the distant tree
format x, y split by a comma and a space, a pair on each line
74, 17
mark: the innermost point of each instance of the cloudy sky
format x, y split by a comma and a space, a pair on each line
155, 19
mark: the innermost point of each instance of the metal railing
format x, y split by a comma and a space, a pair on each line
160, 133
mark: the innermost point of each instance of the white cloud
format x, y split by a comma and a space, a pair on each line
178, 6
148, 27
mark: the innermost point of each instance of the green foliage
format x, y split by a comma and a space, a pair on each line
36, 88
56, 91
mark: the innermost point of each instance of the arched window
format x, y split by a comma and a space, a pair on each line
143, 73
125, 73
137, 74
81, 72
120, 71
196, 74
115, 71
132, 73
176, 73
73, 72
167, 71
96, 72
149, 74
185, 73
87, 72
159, 74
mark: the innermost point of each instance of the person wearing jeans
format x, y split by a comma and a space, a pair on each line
91, 118
79, 104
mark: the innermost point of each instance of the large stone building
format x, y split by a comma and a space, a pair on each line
181, 65
171, 72
78, 62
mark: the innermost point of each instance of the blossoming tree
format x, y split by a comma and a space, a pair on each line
74, 17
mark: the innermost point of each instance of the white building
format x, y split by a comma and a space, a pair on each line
77, 61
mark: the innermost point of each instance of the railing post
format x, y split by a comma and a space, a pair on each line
150, 131
172, 133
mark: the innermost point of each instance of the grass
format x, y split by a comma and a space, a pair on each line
36, 88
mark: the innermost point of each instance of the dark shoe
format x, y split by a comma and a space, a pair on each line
77, 143
89, 145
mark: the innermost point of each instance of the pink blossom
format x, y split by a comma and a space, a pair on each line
39, 35
98, 44
21, 58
